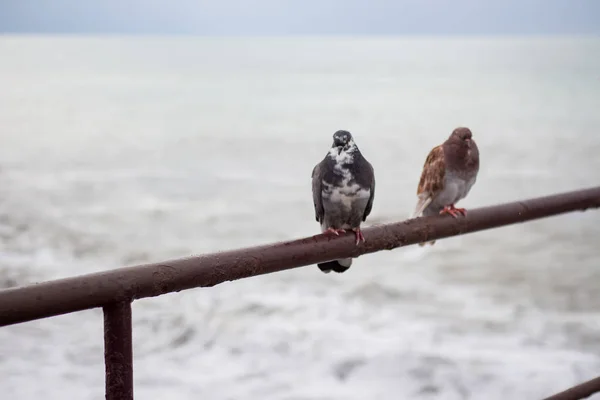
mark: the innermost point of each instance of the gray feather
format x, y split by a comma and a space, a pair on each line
343, 186
317, 184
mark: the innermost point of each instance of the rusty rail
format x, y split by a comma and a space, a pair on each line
115, 290
581, 391
125, 284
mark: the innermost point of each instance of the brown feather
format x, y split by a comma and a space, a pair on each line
434, 170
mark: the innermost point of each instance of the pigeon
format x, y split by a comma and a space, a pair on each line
448, 175
343, 186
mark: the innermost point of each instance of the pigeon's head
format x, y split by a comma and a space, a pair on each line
342, 140
461, 137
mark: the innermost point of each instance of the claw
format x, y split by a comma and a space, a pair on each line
336, 232
359, 235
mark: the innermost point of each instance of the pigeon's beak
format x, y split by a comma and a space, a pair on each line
340, 148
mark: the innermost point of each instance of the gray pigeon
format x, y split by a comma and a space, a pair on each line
343, 187
449, 172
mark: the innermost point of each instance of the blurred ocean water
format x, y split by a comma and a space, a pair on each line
120, 150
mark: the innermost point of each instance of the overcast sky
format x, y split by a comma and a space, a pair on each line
279, 17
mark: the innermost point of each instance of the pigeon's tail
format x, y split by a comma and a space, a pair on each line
424, 201
338, 266
426, 213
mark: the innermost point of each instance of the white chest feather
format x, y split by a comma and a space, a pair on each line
456, 188
346, 192
346, 195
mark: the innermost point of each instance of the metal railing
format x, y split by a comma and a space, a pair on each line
115, 290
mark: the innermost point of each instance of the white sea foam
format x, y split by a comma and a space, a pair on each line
107, 160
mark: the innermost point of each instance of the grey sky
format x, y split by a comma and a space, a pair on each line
277, 17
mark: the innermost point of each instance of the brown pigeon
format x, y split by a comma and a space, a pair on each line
449, 172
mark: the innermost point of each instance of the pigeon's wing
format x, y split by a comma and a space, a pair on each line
372, 187
317, 184
432, 179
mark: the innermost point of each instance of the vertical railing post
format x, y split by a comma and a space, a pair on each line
118, 351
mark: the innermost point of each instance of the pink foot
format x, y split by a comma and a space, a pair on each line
455, 212
462, 211
336, 232
359, 235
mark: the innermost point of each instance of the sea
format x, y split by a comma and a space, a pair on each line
124, 150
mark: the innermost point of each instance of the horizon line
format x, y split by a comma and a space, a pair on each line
299, 35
